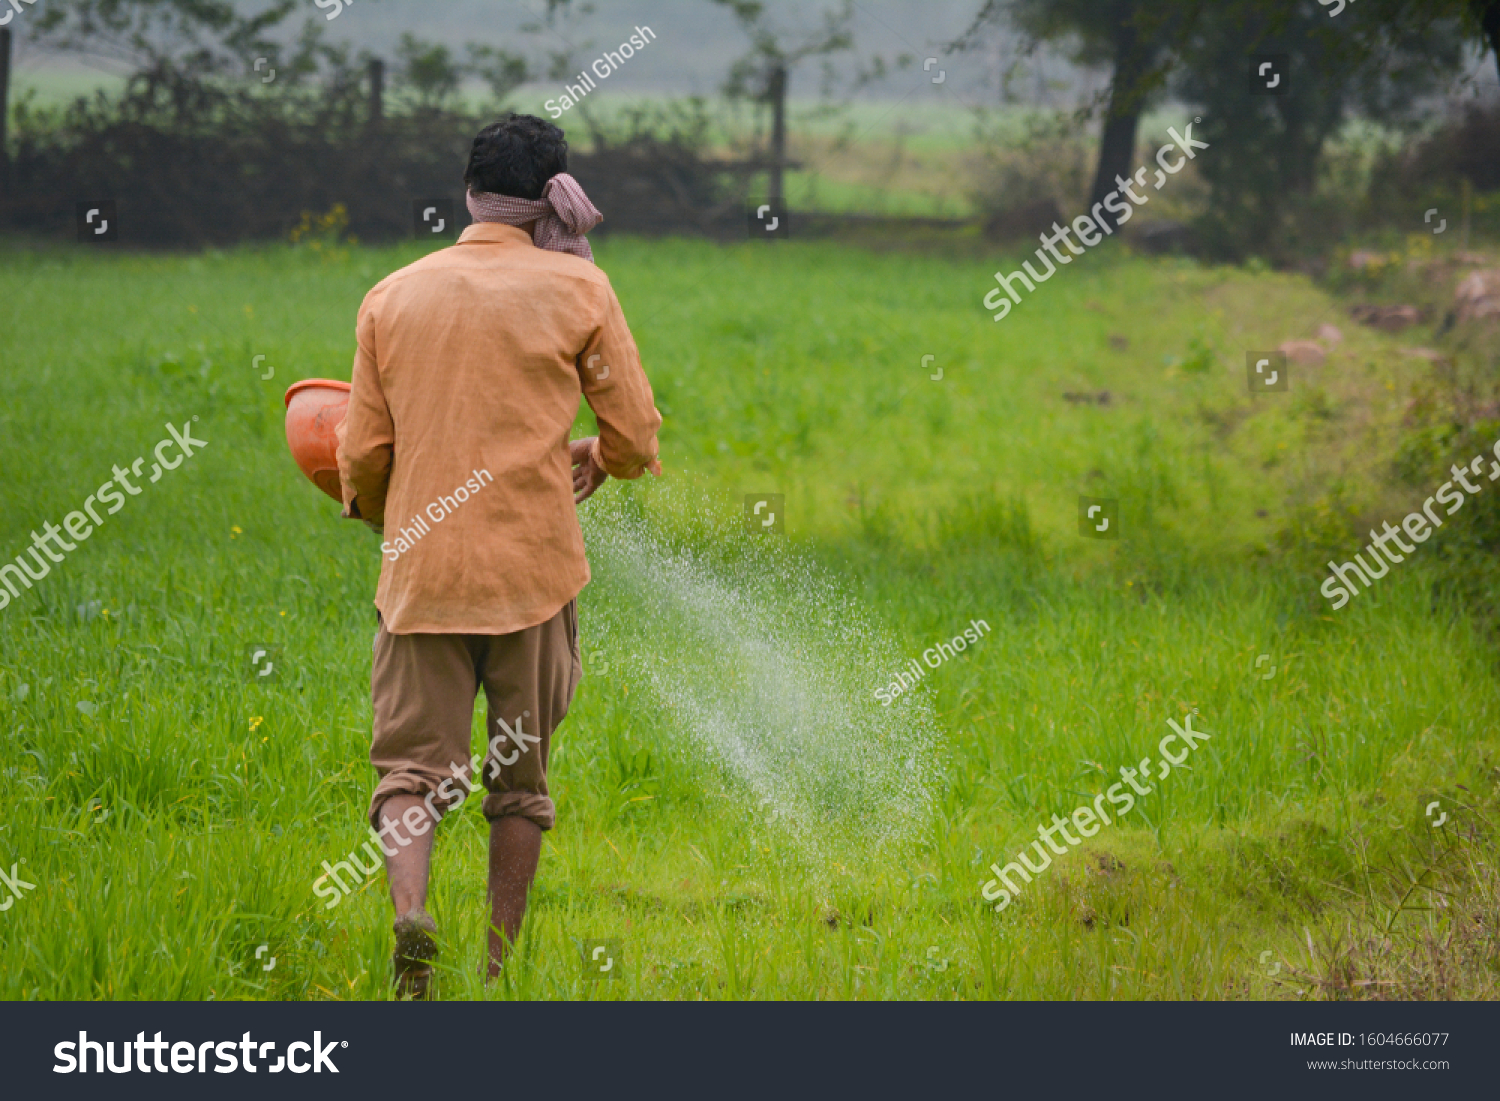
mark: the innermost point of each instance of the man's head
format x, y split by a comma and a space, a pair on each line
516, 156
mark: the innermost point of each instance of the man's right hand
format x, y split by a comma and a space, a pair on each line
587, 474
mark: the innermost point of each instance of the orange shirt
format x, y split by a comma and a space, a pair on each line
466, 385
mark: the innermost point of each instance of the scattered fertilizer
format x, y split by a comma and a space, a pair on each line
756, 662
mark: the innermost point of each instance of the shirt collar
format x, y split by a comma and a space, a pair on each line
494, 233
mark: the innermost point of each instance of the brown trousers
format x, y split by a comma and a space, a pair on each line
423, 688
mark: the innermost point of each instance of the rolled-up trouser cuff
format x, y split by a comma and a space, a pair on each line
521, 804
411, 783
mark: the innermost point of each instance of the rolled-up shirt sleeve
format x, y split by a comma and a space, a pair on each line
367, 436
617, 390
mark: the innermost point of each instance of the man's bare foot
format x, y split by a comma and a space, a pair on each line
416, 948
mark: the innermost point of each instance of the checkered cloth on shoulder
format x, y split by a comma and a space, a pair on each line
563, 215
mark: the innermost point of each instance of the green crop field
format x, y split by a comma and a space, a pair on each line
739, 814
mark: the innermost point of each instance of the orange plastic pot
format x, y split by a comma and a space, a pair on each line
315, 408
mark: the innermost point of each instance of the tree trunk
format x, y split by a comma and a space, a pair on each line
1488, 12
1117, 145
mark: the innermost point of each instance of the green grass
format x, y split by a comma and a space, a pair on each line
57, 85
178, 821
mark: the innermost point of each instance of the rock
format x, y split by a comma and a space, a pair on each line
1101, 398
1388, 319
1330, 335
1306, 353
1478, 296
1162, 237
1431, 355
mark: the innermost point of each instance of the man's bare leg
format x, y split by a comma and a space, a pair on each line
407, 870
515, 849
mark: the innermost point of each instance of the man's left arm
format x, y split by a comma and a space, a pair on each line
368, 435
616, 388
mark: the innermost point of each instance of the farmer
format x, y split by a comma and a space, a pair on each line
466, 385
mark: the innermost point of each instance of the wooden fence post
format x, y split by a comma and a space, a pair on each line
377, 91
4, 111
776, 93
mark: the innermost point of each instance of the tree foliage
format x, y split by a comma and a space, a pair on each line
1378, 60
197, 36
1268, 150
774, 47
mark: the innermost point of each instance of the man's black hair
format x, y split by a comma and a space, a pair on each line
516, 156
